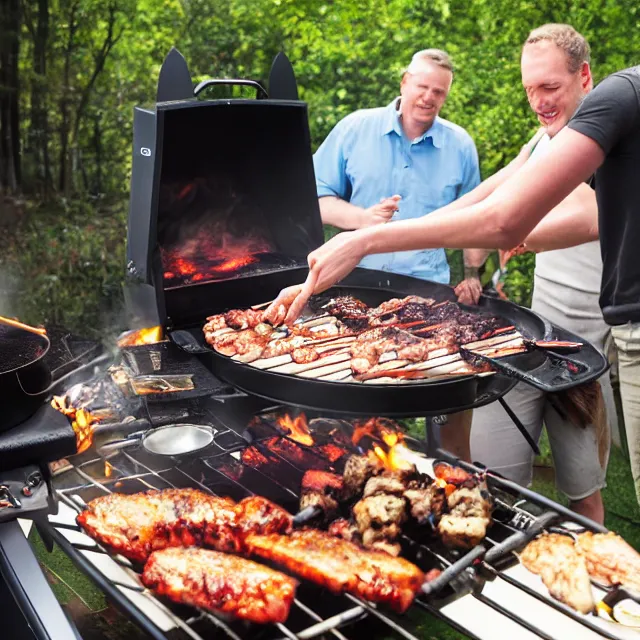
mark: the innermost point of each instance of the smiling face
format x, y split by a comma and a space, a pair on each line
553, 91
423, 92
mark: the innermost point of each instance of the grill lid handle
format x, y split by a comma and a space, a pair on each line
261, 91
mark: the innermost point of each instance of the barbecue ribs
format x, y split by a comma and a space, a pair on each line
342, 566
138, 524
221, 583
563, 570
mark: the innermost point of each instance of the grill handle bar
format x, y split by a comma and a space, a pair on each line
514, 487
453, 571
261, 91
520, 538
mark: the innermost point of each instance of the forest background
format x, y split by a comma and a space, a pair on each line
71, 72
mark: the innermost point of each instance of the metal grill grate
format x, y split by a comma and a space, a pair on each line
342, 617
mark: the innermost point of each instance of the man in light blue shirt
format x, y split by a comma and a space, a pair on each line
398, 162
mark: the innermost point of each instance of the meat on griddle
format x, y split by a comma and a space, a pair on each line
610, 560
221, 583
138, 524
563, 570
370, 345
342, 566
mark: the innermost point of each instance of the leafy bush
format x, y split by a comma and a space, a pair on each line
64, 264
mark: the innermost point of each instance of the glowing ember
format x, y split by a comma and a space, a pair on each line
108, 469
149, 335
297, 428
210, 255
81, 422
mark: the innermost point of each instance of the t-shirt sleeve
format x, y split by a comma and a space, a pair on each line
330, 165
608, 113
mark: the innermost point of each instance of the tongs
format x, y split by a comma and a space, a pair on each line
556, 373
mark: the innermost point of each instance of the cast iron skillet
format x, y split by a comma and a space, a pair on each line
417, 398
24, 376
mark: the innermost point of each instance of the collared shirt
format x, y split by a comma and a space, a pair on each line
367, 157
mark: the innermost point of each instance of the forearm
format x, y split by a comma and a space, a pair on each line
340, 213
574, 221
475, 258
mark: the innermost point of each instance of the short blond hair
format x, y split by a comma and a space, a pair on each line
565, 37
437, 56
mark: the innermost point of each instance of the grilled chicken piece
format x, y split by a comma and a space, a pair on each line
221, 583
345, 529
244, 318
135, 525
610, 560
563, 570
469, 516
370, 345
342, 566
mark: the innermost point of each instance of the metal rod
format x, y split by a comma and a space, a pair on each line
521, 428
330, 623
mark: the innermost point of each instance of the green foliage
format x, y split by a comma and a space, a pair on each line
346, 55
64, 266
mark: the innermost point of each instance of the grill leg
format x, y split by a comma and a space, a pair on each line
520, 426
432, 435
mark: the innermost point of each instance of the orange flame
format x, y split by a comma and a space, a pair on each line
388, 444
150, 335
108, 469
81, 422
297, 428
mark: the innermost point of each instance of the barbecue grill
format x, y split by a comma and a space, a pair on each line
268, 178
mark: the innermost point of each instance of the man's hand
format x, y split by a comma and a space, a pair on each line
469, 291
381, 212
328, 264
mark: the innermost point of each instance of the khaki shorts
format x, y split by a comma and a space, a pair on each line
627, 339
497, 443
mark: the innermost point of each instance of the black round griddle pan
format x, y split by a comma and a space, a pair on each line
404, 399
23, 374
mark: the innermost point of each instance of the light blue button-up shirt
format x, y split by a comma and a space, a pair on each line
367, 156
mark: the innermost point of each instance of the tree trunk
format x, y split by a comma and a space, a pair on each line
65, 105
39, 99
10, 165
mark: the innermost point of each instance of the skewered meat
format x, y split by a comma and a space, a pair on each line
389, 483
342, 566
464, 533
610, 560
469, 516
563, 570
426, 503
221, 583
135, 525
357, 470
322, 489
370, 345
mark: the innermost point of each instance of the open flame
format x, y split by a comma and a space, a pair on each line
388, 444
212, 255
296, 428
82, 421
149, 335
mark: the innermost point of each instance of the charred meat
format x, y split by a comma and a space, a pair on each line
221, 583
321, 489
370, 345
138, 524
342, 566
563, 570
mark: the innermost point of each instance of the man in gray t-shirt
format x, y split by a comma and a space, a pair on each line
556, 77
